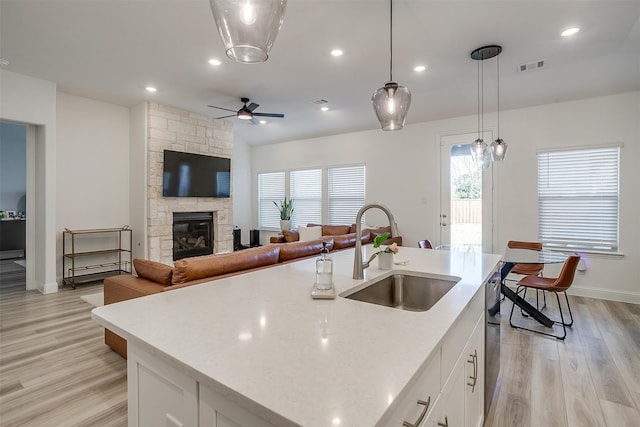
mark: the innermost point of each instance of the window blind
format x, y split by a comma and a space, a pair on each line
345, 193
578, 199
270, 189
305, 187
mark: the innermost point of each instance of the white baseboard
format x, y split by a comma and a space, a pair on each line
598, 293
606, 294
49, 288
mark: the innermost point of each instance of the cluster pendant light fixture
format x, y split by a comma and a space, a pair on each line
391, 102
481, 152
248, 28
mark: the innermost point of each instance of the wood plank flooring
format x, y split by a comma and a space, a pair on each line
590, 379
56, 371
54, 367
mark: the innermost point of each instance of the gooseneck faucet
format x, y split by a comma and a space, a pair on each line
358, 265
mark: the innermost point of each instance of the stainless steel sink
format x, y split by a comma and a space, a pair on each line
404, 291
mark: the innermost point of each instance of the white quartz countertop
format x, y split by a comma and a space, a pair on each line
262, 341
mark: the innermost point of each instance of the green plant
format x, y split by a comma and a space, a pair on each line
378, 240
285, 207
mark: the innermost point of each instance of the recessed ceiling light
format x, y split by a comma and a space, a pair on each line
324, 108
569, 32
419, 68
263, 122
337, 52
215, 62
150, 89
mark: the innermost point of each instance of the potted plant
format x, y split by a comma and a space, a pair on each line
286, 209
385, 256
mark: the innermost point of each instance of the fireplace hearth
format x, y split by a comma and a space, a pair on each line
192, 234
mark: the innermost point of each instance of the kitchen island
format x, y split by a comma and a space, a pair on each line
256, 349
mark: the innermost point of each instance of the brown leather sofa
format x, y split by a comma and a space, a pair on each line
344, 236
153, 277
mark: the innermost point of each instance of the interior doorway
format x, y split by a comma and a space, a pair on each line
13, 191
466, 197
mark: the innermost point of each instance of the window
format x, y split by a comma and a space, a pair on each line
270, 189
345, 193
344, 196
578, 199
305, 189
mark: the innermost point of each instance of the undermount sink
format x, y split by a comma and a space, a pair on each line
404, 291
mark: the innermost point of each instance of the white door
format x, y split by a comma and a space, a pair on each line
466, 203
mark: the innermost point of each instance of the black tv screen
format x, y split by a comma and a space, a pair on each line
195, 175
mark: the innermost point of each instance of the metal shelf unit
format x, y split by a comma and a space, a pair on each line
95, 254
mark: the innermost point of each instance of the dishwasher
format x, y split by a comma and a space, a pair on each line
492, 339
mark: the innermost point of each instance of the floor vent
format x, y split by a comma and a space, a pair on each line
531, 66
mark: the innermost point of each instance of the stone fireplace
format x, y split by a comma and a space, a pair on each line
170, 128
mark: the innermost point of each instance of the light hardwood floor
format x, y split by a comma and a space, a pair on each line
54, 367
56, 371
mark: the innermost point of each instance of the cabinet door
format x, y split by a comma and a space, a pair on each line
159, 395
420, 399
474, 383
448, 410
218, 411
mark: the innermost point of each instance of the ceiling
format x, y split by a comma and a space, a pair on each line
111, 50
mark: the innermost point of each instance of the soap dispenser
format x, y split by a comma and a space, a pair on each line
324, 270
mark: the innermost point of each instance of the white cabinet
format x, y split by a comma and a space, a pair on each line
421, 398
449, 409
159, 395
453, 381
474, 384
461, 402
218, 411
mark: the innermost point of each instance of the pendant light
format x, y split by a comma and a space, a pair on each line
248, 28
498, 147
480, 151
391, 102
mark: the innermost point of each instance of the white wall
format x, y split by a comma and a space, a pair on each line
138, 179
403, 169
92, 165
242, 187
33, 101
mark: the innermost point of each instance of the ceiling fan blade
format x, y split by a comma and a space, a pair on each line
278, 116
220, 108
254, 121
252, 106
225, 117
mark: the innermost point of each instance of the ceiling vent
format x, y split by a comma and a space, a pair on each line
320, 101
531, 66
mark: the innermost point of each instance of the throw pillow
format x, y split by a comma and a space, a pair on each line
335, 230
291, 236
309, 233
153, 271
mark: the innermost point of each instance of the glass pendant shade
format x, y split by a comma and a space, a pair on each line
478, 149
248, 28
485, 161
391, 104
498, 150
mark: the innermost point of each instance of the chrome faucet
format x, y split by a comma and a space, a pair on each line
358, 265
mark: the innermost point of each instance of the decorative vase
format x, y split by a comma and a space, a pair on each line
285, 224
385, 261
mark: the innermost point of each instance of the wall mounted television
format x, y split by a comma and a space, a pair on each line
195, 175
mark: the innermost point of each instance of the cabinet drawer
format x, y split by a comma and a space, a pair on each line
457, 337
426, 388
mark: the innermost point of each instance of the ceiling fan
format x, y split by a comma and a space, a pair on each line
246, 112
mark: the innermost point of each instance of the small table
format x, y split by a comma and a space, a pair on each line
525, 256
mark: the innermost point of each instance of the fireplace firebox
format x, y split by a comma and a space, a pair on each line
192, 234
